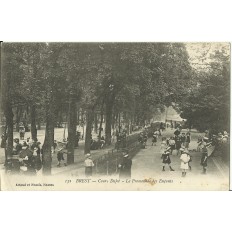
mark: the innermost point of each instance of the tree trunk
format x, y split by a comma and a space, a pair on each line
100, 126
95, 123
88, 131
108, 123
38, 124
18, 117
9, 124
72, 124
33, 122
119, 122
48, 142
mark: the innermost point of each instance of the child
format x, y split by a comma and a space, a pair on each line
188, 139
88, 165
183, 139
185, 157
154, 138
60, 157
178, 143
204, 159
163, 145
166, 160
199, 141
172, 144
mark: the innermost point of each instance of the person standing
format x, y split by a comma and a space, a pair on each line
188, 139
178, 143
183, 139
177, 132
60, 157
88, 165
163, 145
184, 165
204, 159
166, 159
125, 167
154, 138
172, 144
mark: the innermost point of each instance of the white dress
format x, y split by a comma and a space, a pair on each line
184, 161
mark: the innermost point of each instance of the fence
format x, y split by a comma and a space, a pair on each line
108, 163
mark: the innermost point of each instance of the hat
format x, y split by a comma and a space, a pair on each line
88, 155
186, 151
205, 138
126, 155
181, 149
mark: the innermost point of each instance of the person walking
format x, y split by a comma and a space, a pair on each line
60, 157
166, 159
172, 144
185, 158
88, 165
204, 159
188, 139
125, 167
178, 143
163, 145
154, 138
183, 139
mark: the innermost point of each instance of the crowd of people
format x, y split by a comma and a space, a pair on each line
207, 145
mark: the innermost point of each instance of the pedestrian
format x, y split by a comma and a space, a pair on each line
172, 144
171, 125
178, 143
199, 142
204, 159
21, 132
185, 158
125, 167
177, 131
60, 157
154, 138
188, 139
166, 159
88, 165
163, 145
183, 139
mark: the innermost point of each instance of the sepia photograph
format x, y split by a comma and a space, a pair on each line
115, 116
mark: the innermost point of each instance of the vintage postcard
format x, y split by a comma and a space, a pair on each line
115, 116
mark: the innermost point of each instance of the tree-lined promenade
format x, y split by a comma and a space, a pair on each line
120, 85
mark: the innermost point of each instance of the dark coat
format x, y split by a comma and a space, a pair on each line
125, 170
166, 158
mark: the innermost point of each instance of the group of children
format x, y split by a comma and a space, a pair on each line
180, 142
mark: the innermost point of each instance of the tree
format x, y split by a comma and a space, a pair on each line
207, 103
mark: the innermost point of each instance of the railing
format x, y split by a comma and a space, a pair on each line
108, 163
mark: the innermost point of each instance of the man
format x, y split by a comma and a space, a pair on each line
125, 167
177, 131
